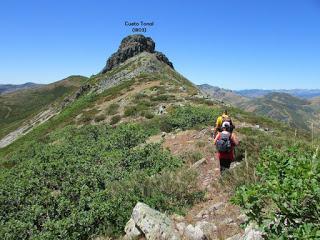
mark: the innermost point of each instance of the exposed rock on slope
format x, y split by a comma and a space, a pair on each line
133, 45
149, 223
143, 63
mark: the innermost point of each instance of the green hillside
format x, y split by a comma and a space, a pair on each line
18, 106
296, 112
281, 106
79, 174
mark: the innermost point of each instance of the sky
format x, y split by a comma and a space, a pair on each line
268, 44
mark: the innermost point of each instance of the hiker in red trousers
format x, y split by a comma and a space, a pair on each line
225, 142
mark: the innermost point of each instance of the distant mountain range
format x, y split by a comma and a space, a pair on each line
299, 113
6, 88
222, 94
301, 93
298, 107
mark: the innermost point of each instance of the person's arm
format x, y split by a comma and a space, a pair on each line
234, 139
216, 138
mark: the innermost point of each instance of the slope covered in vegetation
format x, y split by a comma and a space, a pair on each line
286, 108
79, 182
19, 106
78, 175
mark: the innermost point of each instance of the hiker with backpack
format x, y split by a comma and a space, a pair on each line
220, 120
225, 142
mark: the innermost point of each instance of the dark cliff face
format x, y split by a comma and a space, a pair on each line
133, 45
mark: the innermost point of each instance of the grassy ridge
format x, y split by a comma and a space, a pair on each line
79, 182
17, 107
65, 118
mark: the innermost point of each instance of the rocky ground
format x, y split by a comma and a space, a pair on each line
214, 218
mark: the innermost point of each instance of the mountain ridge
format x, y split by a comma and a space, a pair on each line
301, 93
138, 132
23, 108
283, 106
7, 88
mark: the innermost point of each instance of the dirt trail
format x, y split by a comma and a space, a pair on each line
216, 210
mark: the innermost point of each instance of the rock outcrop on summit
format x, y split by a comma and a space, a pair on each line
133, 45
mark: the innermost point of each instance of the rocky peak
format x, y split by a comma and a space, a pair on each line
133, 45
137, 42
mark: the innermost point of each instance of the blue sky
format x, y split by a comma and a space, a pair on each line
232, 44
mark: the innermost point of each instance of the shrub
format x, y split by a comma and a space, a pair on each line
85, 118
112, 109
140, 96
99, 118
83, 182
192, 156
147, 114
137, 110
162, 98
115, 119
131, 111
188, 117
285, 200
200, 144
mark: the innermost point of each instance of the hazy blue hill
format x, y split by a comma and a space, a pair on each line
222, 94
301, 93
294, 107
315, 101
284, 107
6, 88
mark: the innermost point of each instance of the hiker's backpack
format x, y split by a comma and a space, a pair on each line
226, 118
224, 142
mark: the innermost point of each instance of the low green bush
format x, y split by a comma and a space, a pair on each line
131, 111
112, 109
284, 201
147, 114
188, 117
99, 118
191, 157
115, 119
162, 98
83, 182
138, 109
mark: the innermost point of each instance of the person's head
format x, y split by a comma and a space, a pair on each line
225, 126
225, 112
